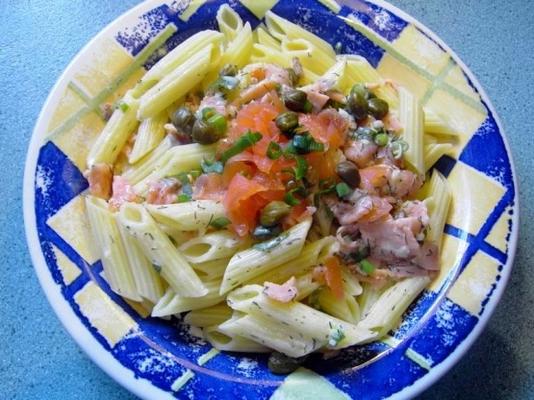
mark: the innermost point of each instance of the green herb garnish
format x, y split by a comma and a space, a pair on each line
245, 141
342, 189
124, 106
304, 144
274, 151
301, 169
336, 336
219, 223
367, 267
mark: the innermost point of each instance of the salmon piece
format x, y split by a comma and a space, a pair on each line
283, 293
209, 187
361, 208
163, 191
374, 178
246, 197
321, 165
123, 192
361, 152
100, 177
327, 127
333, 276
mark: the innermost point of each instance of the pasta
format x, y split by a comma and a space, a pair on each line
279, 195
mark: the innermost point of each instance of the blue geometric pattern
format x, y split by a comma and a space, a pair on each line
162, 351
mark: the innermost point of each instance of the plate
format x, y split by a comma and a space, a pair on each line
162, 359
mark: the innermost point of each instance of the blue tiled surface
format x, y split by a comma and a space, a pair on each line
38, 360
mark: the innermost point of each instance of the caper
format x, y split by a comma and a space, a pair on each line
378, 108
348, 171
357, 101
228, 70
204, 133
183, 119
273, 212
264, 233
281, 364
295, 100
287, 122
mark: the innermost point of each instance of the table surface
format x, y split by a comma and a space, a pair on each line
38, 38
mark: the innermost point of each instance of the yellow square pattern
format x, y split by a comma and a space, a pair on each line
191, 8
457, 80
479, 196
421, 50
69, 271
69, 104
102, 65
474, 283
391, 68
77, 141
72, 225
125, 86
462, 118
497, 235
103, 314
452, 250
259, 7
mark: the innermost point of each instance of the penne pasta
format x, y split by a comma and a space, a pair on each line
158, 248
149, 135
112, 252
411, 119
229, 22
188, 216
209, 316
247, 264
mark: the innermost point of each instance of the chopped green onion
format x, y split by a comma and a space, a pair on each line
301, 169
274, 151
342, 189
124, 106
305, 143
219, 223
209, 166
398, 148
290, 199
183, 198
186, 177
217, 122
245, 141
367, 267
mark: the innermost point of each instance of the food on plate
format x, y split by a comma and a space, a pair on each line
278, 193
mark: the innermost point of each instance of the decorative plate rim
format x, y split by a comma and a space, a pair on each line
104, 359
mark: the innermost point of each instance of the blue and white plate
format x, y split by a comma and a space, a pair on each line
161, 359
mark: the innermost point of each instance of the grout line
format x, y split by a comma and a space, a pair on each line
141, 58
440, 78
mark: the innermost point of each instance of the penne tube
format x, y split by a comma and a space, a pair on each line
151, 132
386, 312
177, 83
159, 249
250, 263
188, 216
411, 119
116, 133
112, 252
209, 316
147, 280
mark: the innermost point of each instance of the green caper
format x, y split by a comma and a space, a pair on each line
281, 364
287, 122
204, 133
349, 173
183, 119
264, 233
357, 101
295, 100
378, 108
273, 212
228, 70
